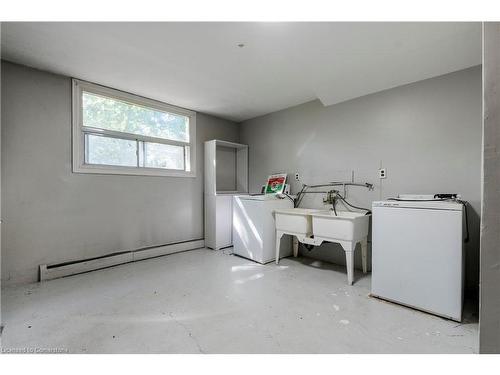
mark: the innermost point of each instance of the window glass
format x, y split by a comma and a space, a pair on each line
111, 151
159, 155
113, 114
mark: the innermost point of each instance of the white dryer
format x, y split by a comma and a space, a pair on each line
417, 255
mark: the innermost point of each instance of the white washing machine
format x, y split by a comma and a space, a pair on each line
254, 232
417, 255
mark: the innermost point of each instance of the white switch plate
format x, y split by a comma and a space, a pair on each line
382, 173
297, 177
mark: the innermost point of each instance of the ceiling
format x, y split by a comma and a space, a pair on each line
201, 67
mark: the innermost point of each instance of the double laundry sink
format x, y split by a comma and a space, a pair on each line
315, 226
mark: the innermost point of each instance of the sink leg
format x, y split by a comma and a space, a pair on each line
364, 255
349, 260
279, 234
295, 244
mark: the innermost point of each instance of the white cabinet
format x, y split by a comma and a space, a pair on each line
226, 175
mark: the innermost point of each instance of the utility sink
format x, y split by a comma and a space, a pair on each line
315, 226
295, 220
343, 226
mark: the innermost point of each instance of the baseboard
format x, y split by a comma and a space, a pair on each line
54, 271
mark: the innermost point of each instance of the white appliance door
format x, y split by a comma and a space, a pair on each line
223, 218
417, 258
247, 232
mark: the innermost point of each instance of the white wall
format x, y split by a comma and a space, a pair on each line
489, 313
427, 135
52, 215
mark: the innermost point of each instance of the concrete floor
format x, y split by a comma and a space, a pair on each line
209, 302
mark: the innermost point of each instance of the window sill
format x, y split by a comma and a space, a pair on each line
130, 171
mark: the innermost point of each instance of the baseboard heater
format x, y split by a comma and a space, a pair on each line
54, 271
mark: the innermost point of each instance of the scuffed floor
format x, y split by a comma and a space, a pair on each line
207, 302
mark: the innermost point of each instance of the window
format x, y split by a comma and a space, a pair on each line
119, 133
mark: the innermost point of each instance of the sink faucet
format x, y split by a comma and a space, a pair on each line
331, 198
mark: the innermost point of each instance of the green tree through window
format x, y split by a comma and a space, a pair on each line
111, 114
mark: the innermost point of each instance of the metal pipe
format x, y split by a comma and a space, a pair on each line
315, 192
322, 185
339, 183
305, 188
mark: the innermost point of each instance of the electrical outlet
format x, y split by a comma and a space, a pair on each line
382, 173
297, 177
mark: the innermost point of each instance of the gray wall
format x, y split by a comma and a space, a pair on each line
51, 214
226, 168
489, 313
427, 135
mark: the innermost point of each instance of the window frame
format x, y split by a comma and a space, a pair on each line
79, 133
